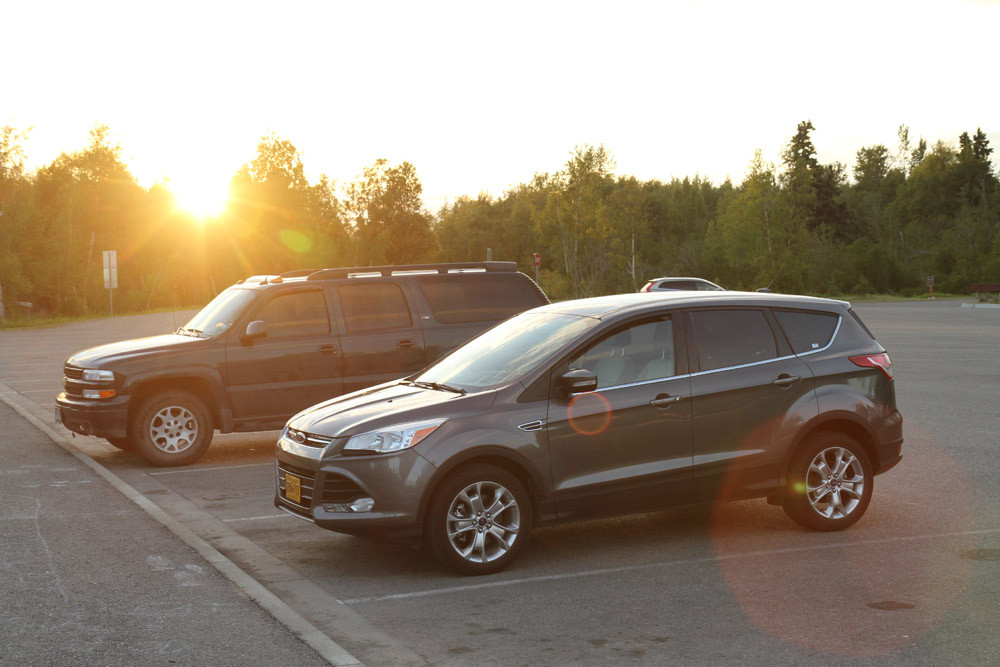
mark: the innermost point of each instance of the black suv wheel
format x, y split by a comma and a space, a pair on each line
829, 482
171, 429
479, 520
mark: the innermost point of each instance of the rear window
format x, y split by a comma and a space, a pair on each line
374, 306
807, 331
732, 338
477, 297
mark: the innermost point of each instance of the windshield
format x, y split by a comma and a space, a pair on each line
220, 314
507, 351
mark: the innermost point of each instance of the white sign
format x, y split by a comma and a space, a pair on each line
110, 269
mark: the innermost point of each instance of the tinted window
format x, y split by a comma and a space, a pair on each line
677, 284
220, 314
373, 306
641, 352
477, 298
298, 314
807, 331
732, 338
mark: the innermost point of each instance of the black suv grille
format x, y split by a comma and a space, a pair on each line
72, 372
307, 482
340, 489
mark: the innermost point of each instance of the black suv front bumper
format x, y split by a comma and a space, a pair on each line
104, 418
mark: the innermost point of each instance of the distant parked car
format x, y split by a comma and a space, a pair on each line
610, 405
270, 346
692, 284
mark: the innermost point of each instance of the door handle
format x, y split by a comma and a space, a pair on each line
664, 401
785, 381
405, 344
327, 350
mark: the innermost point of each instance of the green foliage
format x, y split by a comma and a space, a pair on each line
800, 226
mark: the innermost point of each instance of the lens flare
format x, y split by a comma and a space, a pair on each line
589, 414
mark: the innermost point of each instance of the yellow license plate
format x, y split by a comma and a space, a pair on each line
293, 488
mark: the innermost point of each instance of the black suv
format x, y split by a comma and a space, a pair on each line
608, 405
270, 346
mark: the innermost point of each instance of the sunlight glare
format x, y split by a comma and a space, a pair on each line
201, 198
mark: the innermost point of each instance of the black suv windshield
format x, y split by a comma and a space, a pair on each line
220, 313
507, 351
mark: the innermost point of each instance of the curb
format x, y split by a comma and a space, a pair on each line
328, 649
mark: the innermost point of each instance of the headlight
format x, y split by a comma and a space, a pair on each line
98, 376
394, 438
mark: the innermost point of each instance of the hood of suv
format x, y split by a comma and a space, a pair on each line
385, 405
107, 355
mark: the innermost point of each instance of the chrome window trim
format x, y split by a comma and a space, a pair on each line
633, 384
752, 363
836, 330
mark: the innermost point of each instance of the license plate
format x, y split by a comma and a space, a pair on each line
293, 488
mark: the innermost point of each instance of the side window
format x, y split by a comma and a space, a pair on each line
642, 352
678, 284
807, 331
296, 314
477, 297
732, 338
374, 306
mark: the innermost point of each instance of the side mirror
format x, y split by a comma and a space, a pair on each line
577, 381
256, 329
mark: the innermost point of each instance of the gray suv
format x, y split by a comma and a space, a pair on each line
601, 406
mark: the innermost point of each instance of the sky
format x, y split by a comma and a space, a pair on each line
480, 96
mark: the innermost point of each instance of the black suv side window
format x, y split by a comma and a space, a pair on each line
732, 338
642, 352
295, 314
476, 298
807, 331
374, 306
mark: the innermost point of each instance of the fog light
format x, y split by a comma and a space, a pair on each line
362, 505
359, 505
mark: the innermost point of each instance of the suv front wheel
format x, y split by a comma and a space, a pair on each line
173, 428
479, 520
829, 483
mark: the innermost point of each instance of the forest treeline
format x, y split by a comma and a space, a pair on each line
884, 224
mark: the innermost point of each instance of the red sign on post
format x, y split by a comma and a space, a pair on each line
538, 260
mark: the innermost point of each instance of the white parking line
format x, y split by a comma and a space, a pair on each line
247, 465
258, 518
662, 564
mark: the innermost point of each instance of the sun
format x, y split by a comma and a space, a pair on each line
200, 197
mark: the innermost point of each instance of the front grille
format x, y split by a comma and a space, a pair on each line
340, 489
309, 439
73, 372
307, 483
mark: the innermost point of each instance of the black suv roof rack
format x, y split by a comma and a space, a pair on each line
402, 269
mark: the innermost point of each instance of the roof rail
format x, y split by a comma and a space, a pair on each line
261, 279
402, 269
298, 273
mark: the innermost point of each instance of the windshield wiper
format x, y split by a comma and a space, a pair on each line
435, 385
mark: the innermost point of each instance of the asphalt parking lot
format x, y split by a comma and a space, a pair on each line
915, 582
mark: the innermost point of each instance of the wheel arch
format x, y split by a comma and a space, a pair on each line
501, 457
200, 385
846, 423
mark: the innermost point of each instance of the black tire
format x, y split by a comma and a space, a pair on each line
817, 495
123, 444
173, 428
498, 545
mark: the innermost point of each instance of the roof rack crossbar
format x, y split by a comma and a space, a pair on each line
331, 274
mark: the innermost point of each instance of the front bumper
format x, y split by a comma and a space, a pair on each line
105, 419
395, 482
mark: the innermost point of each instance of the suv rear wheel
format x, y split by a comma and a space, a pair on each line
829, 483
173, 428
479, 520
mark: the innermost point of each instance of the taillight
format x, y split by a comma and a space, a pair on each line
879, 361
648, 287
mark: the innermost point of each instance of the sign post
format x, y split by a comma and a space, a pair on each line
538, 261
930, 285
110, 275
